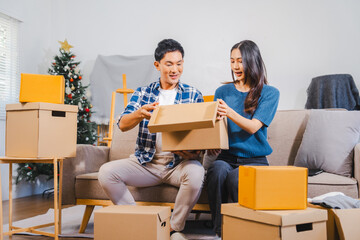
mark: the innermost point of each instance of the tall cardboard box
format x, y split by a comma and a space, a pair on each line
248, 224
132, 223
42, 88
190, 126
41, 130
273, 187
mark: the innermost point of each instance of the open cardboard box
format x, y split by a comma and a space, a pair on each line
342, 224
42, 88
180, 117
247, 224
190, 126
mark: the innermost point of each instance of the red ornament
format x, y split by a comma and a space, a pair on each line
70, 96
88, 121
54, 63
29, 168
87, 110
80, 77
71, 80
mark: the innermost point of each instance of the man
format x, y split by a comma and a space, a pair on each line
150, 166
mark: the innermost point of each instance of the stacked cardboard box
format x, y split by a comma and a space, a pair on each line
189, 127
247, 224
41, 125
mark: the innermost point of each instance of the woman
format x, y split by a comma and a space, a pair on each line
250, 105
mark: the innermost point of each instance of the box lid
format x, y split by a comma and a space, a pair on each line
181, 117
162, 212
277, 218
41, 106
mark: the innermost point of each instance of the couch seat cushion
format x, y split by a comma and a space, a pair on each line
88, 187
332, 179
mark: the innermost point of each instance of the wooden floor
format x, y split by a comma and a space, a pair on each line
29, 207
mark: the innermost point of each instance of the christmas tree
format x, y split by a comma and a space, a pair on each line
75, 94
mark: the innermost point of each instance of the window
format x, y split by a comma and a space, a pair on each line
9, 62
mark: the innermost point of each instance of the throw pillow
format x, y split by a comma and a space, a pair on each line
328, 141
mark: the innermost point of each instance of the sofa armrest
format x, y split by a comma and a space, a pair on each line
357, 163
88, 159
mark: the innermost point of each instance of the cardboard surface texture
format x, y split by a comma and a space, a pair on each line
245, 223
197, 139
273, 187
180, 117
342, 223
132, 223
41, 130
42, 88
347, 223
190, 126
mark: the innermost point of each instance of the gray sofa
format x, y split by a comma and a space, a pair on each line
80, 185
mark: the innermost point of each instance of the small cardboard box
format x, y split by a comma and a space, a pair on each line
342, 223
42, 88
190, 126
132, 223
273, 187
41, 130
248, 224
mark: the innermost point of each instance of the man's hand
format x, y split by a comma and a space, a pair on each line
189, 155
145, 111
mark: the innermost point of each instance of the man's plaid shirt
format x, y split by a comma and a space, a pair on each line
145, 143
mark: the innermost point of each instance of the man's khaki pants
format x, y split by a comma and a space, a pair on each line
188, 175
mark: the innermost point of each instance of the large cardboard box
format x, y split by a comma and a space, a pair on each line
342, 224
190, 126
41, 130
273, 187
248, 224
42, 88
132, 223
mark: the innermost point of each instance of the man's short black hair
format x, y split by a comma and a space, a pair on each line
165, 46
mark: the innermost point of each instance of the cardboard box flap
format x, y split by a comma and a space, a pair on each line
163, 212
347, 223
41, 106
277, 218
182, 117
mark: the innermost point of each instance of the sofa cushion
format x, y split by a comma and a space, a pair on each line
123, 143
328, 182
87, 186
329, 140
285, 134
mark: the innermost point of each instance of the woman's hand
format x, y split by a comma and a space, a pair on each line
223, 109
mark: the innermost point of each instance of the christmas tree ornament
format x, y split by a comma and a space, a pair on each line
71, 80
80, 77
65, 46
73, 87
87, 110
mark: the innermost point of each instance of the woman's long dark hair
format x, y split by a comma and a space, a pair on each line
254, 70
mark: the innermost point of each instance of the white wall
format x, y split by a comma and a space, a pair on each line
298, 39
35, 35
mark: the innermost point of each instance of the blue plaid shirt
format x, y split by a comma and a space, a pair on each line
145, 143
